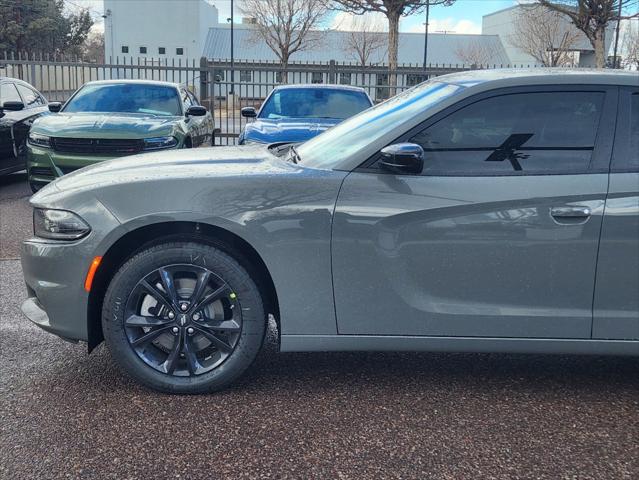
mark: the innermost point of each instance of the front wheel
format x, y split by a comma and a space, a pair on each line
183, 318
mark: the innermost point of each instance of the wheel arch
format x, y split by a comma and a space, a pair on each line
153, 234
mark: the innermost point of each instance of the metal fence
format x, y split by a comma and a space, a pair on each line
223, 87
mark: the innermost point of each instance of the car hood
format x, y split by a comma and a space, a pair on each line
104, 125
213, 162
292, 130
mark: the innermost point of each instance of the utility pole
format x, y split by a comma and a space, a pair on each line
617, 64
426, 35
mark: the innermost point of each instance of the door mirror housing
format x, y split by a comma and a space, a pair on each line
402, 158
196, 111
249, 112
55, 107
13, 106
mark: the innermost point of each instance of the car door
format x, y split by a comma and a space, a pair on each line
8, 122
616, 305
34, 106
194, 124
498, 235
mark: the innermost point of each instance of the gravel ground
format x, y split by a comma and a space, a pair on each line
64, 414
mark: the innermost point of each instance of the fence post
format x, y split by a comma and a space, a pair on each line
332, 72
204, 92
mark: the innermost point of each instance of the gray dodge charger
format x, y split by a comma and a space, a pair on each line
493, 211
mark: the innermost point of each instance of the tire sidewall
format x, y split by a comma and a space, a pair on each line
220, 263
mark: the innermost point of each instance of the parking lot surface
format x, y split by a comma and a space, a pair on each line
64, 414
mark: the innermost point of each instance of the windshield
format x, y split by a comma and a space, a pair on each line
341, 141
126, 98
314, 103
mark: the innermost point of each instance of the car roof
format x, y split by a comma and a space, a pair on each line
321, 86
515, 77
15, 80
134, 82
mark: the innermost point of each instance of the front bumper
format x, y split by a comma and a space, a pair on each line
45, 165
54, 274
32, 309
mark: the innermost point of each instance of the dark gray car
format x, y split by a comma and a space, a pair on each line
482, 211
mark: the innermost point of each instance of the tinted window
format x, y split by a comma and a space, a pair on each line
518, 133
634, 132
314, 103
8, 93
31, 98
126, 98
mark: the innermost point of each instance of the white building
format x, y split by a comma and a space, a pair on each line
168, 31
504, 24
186, 30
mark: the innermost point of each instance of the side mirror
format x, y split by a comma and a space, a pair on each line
196, 111
403, 158
13, 106
55, 107
249, 112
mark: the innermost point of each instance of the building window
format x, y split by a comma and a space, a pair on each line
143, 50
317, 77
179, 51
246, 76
345, 78
162, 51
125, 49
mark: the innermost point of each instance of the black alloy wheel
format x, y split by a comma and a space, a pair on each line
183, 317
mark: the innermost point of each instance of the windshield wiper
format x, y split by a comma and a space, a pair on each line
293, 155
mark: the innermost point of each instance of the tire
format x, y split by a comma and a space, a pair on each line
235, 319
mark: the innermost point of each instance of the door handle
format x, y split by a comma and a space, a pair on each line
575, 212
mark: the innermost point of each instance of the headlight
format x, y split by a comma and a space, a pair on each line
58, 225
159, 143
38, 140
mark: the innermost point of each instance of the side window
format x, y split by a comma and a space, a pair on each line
633, 150
31, 98
186, 99
541, 133
194, 100
8, 93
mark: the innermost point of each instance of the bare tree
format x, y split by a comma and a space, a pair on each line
286, 26
475, 54
365, 41
394, 10
592, 17
93, 47
545, 35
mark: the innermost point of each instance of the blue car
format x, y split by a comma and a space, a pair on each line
296, 113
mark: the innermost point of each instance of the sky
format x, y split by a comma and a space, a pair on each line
464, 16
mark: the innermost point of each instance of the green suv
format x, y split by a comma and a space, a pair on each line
108, 119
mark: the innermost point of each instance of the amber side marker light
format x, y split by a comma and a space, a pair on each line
91, 273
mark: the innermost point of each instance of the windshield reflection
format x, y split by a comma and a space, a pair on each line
343, 140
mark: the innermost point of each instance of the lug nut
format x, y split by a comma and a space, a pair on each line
190, 330
196, 316
183, 307
175, 330
171, 315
